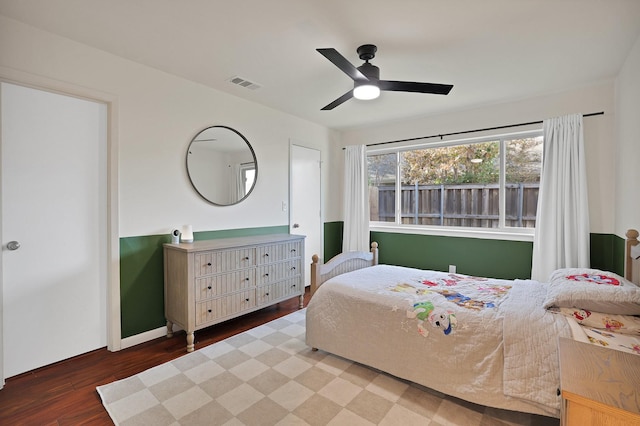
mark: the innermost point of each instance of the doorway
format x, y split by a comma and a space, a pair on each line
54, 227
305, 214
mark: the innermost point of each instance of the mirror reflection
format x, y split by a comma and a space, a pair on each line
221, 165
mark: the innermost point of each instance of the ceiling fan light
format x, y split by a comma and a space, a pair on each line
366, 92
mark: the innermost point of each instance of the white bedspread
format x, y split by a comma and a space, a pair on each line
531, 363
445, 331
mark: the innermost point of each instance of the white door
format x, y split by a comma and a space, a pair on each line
306, 213
54, 181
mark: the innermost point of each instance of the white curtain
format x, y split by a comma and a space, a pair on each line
356, 200
562, 222
236, 183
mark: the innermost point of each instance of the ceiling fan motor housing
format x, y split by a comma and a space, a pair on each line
370, 71
367, 52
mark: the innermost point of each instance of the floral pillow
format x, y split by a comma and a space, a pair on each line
594, 290
594, 277
625, 324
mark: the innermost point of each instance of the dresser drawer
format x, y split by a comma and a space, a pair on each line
218, 285
278, 252
207, 263
283, 289
273, 272
225, 306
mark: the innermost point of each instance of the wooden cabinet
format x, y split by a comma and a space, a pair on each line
600, 386
207, 282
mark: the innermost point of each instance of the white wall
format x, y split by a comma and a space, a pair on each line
158, 115
627, 206
598, 131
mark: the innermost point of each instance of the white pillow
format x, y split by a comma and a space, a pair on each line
594, 290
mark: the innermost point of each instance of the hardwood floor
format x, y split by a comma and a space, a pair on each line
65, 393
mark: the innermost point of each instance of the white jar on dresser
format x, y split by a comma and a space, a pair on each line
210, 281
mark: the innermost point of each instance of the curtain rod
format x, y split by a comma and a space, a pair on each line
472, 131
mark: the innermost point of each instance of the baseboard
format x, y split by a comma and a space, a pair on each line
136, 339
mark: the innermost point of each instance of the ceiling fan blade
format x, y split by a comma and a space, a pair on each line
341, 62
410, 86
339, 101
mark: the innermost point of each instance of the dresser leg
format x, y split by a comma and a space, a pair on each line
169, 329
190, 338
302, 301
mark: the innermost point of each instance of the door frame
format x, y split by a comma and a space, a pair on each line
293, 142
21, 78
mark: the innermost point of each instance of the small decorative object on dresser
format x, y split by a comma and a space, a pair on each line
599, 385
207, 282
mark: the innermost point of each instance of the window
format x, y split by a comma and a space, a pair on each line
488, 183
248, 176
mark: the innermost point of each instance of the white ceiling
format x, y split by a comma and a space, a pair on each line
490, 50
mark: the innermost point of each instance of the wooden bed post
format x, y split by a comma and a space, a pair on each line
315, 274
632, 240
339, 264
374, 250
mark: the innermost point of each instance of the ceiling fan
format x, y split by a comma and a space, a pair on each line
366, 77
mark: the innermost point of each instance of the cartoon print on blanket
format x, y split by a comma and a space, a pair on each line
464, 301
436, 316
450, 280
408, 288
621, 342
477, 294
432, 298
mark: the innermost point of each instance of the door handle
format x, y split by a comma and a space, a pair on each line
13, 245
295, 225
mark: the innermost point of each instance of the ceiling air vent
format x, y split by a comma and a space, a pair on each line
245, 83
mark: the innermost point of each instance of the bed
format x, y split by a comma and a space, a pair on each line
488, 341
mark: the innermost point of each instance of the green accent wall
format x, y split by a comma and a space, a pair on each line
473, 256
332, 239
142, 276
607, 253
619, 246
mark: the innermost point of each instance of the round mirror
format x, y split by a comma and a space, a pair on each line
221, 165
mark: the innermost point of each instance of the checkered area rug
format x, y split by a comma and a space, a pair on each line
269, 376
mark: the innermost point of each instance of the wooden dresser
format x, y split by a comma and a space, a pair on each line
210, 281
600, 386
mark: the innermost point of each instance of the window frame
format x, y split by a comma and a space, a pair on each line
500, 233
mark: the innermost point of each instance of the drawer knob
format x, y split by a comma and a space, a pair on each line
266, 254
209, 264
293, 268
266, 275
246, 279
293, 250
246, 258
246, 300
266, 294
209, 310
209, 287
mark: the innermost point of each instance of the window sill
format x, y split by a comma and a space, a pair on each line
488, 234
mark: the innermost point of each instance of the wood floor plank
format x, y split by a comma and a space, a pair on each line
65, 393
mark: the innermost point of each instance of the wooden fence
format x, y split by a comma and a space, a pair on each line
469, 205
